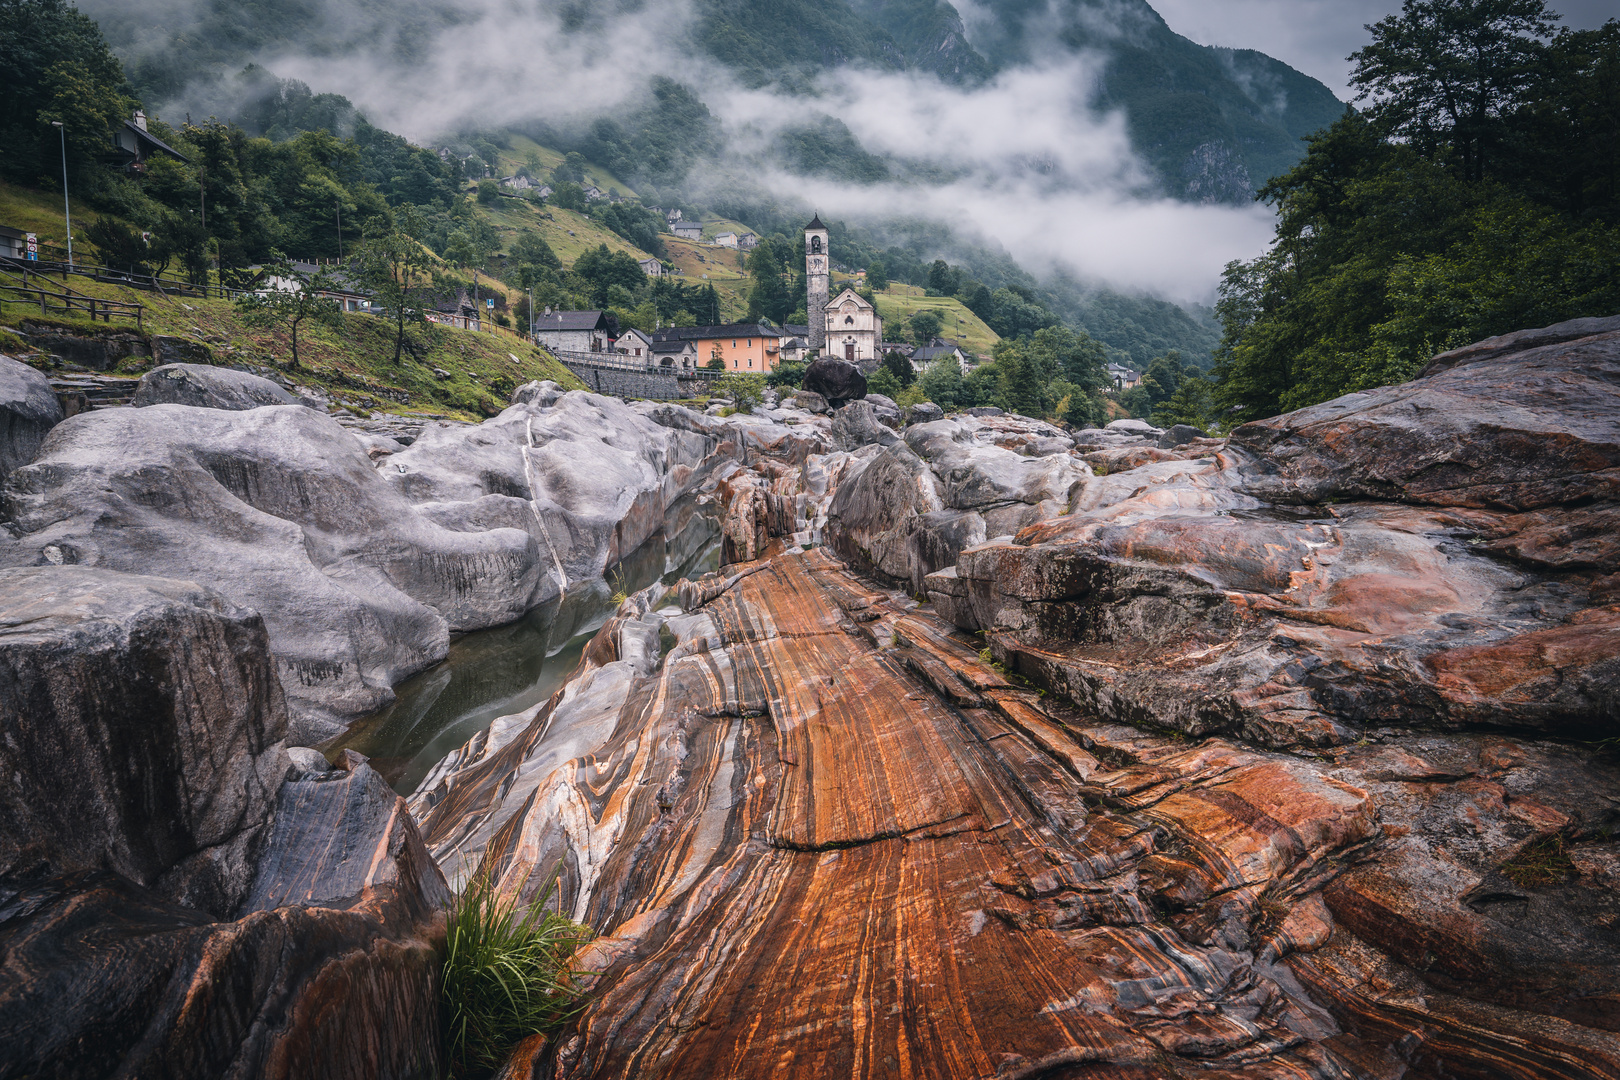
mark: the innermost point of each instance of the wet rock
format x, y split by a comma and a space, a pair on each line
28, 410
923, 412
280, 510
838, 381
210, 388
143, 731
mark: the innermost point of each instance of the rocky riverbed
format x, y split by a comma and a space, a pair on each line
994, 749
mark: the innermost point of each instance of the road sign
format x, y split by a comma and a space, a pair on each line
33, 247
490, 303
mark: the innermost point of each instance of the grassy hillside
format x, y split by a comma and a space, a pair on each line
353, 363
898, 303
721, 267
517, 154
41, 212
570, 234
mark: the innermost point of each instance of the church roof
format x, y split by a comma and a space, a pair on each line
815, 222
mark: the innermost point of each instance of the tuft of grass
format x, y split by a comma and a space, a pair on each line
1544, 862
508, 974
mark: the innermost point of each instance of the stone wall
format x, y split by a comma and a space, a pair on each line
660, 386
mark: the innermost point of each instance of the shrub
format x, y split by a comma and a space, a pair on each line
745, 391
507, 974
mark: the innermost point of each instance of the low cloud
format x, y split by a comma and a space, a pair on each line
1024, 163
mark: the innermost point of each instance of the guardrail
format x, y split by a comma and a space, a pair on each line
620, 362
66, 299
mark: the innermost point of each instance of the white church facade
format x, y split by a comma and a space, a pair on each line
854, 329
847, 326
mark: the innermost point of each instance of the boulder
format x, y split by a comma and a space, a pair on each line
809, 401
28, 410
839, 381
99, 350
588, 477
168, 905
1179, 435
924, 412
143, 729
307, 763
279, 509
541, 394
856, 425
210, 388
985, 410
1131, 426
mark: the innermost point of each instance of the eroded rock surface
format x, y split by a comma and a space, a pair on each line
279, 509
168, 905
1437, 554
824, 805
209, 387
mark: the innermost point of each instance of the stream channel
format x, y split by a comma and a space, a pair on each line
506, 669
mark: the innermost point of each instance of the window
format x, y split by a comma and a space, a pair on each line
849, 320
733, 343
815, 245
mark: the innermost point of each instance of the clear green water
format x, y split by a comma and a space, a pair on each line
497, 672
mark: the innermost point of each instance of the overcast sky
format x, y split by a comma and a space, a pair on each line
1315, 36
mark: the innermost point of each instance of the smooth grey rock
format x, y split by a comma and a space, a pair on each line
281, 510
856, 425
588, 477
141, 727
540, 393
307, 762
1179, 434
28, 411
1132, 426
985, 410
924, 412
809, 401
209, 388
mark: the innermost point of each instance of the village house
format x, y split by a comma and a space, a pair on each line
1123, 378
680, 354
673, 217
634, 343
904, 348
688, 230
134, 144
747, 241
519, 183
459, 311
795, 344
854, 329
575, 331
652, 267
726, 239
923, 357
594, 193
745, 347
13, 243
340, 284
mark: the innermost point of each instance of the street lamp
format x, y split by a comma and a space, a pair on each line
67, 211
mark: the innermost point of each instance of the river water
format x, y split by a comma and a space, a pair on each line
497, 672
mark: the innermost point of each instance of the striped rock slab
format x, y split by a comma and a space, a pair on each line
821, 837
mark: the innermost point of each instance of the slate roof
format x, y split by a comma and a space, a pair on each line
934, 352
571, 320
699, 333
815, 222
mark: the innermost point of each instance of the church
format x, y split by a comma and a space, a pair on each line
847, 326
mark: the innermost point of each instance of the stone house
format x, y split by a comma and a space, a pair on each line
1123, 378
924, 356
677, 353
651, 267
635, 344
688, 230
854, 329
575, 331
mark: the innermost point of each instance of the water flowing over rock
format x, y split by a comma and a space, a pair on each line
28, 411
210, 388
168, 906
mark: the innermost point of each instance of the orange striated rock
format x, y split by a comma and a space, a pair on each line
823, 837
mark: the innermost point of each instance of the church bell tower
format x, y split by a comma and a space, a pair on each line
816, 279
